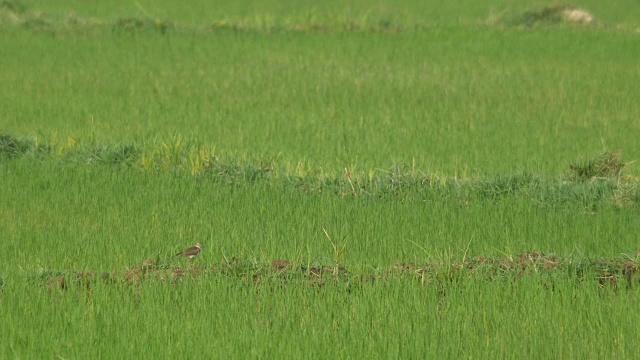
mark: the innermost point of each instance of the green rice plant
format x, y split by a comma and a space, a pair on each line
338, 253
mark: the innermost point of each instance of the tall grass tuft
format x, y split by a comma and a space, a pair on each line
13, 147
606, 166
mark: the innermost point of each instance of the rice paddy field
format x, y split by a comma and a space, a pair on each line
367, 179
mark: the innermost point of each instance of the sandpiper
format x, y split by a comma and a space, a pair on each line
192, 251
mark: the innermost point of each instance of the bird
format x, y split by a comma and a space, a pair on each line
192, 251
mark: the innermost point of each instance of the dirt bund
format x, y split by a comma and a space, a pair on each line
607, 273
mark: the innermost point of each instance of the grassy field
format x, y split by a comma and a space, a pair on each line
368, 180
467, 100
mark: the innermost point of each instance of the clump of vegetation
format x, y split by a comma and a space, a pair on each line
551, 15
126, 154
131, 25
234, 172
11, 147
15, 7
12, 12
607, 165
37, 23
547, 15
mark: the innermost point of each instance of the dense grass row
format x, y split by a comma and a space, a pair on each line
591, 182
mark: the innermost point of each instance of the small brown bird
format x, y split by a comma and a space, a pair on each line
192, 251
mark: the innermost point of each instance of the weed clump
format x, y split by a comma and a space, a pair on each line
607, 165
132, 25
552, 15
12, 13
12, 147
14, 7
126, 154
37, 24
511, 185
547, 15
234, 172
